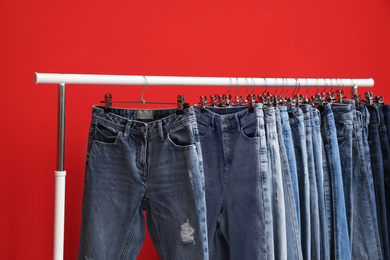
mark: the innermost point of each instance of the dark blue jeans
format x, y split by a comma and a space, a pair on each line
135, 164
235, 165
386, 112
374, 138
340, 239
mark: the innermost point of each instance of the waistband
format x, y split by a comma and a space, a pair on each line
342, 111
296, 116
327, 114
307, 111
143, 121
231, 118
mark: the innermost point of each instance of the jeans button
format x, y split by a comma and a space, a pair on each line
226, 121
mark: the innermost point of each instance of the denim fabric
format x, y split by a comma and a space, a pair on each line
291, 159
299, 139
341, 248
277, 193
344, 124
314, 211
378, 174
386, 112
365, 121
294, 248
143, 164
318, 160
235, 165
365, 242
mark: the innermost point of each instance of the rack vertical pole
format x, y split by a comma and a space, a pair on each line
59, 208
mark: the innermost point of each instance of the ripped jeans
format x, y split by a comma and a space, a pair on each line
143, 160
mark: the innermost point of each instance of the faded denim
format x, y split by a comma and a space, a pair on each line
365, 242
277, 192
287, 136
299, 139
314, 211
341, 247
294, 248
138, 164
235, 165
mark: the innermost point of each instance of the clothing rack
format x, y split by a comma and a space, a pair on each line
63, 79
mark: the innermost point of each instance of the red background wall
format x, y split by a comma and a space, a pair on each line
247, 38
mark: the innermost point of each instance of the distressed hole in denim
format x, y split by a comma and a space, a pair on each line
187, 233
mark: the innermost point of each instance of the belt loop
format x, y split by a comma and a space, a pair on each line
127, 130
160, 130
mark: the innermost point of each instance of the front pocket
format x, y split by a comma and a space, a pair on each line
251, 130
105, 135
182, 138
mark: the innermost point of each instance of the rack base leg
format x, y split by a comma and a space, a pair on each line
59, 215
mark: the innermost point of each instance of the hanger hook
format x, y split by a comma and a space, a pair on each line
281, 92
277, 86
254, 85
265, 82
238, 88
247, 89
326, 86
308, 86
331, 90
338, 84
142, 101
231, 86
288, 87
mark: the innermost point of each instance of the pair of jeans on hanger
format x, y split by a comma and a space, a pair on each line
143, 160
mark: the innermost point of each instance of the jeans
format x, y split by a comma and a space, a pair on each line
314, 211
143, 160
378, 174
344, 125
235, 165
365, 242
294, 248
386, 112
341, 247
277, 192
318, 147
299, 139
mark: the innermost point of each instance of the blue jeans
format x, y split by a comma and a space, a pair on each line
299, 139
340, 248
365, 242
378, 174
386, 112
294, 248
314, 211
344, 124
318, 147
291, 159
277, 192
135, 164
235, 165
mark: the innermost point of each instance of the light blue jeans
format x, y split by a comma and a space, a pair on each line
340, 248
277, 192
294, 248
299, 139
135, 164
